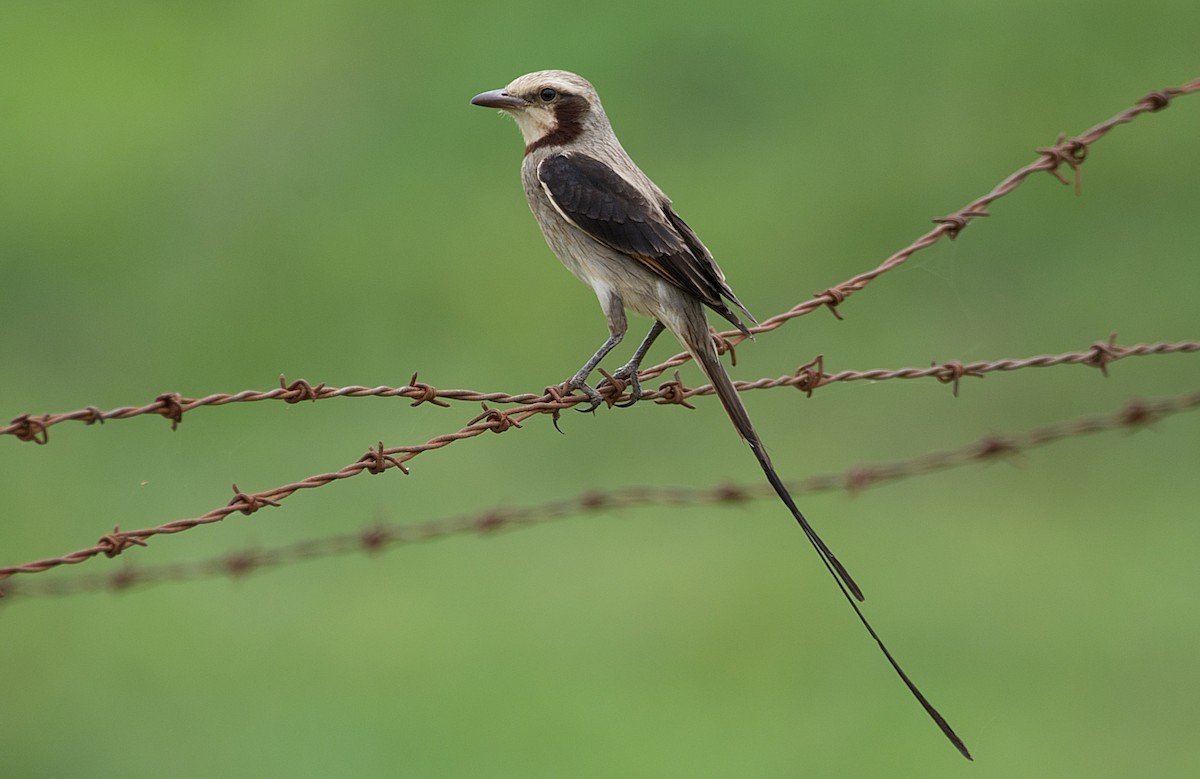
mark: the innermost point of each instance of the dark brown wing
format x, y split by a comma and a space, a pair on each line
594, 198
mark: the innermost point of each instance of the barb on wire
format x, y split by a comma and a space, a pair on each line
379, 536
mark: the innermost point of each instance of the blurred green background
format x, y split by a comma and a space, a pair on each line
199, 197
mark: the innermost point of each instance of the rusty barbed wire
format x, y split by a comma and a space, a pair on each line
381, 535
375, 461
812, 375
1066, 151
807, 378
379, 459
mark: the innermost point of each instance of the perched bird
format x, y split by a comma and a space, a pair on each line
616, 230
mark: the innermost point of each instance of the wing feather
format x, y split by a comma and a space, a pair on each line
596, 199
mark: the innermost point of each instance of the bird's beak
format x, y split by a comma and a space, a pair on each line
498, 98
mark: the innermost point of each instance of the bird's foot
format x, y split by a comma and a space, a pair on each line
626, 375
607, 391
579, 382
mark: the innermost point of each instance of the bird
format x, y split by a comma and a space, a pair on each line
612, 227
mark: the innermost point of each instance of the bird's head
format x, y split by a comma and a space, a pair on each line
552, 107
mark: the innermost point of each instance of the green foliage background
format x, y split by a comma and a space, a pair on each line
199, 197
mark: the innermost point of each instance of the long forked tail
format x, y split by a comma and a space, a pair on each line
705, 355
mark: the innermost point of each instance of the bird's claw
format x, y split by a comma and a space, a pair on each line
626, 376
635, 386
594, 397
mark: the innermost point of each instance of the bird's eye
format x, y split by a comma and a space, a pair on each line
548, 94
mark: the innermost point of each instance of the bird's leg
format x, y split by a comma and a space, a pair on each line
614, 313
579, 380
629, 371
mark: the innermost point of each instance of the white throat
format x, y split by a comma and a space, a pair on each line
535, 124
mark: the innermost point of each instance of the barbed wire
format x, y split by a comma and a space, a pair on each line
382, 535
808, 377
379, 458
1065, 151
